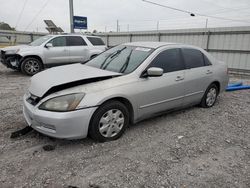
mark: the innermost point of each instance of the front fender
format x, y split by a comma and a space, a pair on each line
31, 54
97, 99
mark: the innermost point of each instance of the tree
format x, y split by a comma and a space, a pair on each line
5, 26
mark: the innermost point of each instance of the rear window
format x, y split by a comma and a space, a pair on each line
75, 41
206, 60
96, 41
193, 58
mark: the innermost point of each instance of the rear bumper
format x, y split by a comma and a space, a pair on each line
67, 125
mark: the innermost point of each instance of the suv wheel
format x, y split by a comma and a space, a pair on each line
210, 96
31, 66
109, 121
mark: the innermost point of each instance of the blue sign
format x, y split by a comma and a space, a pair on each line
80, 22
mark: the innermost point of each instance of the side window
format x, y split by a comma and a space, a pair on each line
206, 60
169, 60
96, 41
193, 58
75, 41
58, 41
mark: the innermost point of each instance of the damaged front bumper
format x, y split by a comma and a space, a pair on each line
67, 125
10, 60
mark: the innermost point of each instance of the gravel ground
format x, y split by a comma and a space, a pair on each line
194, 147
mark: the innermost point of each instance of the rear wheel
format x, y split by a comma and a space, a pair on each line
31, 66
109, 121
210, 96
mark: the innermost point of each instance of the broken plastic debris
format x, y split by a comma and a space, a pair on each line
21, 132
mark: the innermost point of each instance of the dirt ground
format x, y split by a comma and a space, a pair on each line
194, 147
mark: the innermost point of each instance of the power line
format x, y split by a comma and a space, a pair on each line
194, 13
165, 6
34, 18
21, 13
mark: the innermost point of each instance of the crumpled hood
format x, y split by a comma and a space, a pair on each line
19, 47
68, 74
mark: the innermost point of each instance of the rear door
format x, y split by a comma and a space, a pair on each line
78, 49
58, 53
96, 46
198, 75
165, 92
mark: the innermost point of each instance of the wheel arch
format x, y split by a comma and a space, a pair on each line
126, 102
31, 56
217, 83
93, 56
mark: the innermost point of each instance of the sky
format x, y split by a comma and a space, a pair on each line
133, 15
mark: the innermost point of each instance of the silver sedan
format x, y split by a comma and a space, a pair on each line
122, 86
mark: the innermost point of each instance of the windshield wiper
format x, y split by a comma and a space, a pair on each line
103, 66
125, 65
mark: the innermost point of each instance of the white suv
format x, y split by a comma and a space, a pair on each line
51, 50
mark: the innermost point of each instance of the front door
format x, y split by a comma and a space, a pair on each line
58, 53
165, 92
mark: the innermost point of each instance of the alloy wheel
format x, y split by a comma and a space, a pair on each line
211, 96
32, 67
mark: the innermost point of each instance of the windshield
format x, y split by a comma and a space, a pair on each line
122, 59
40, 40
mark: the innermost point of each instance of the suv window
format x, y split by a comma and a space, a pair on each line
193, 58
75, 41
58, 41
96, 41
169, 60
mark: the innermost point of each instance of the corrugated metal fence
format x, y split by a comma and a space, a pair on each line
17, 37
231, 45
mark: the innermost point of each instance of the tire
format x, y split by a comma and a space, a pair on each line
109, 121
210, 96
31, 66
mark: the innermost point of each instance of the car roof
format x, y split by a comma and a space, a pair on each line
74, 34
150, 44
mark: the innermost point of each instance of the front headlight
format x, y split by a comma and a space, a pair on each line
63, 103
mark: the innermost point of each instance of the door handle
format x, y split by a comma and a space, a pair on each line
209, 72
179, 78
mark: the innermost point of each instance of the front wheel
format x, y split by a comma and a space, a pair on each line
210, 96
109, 121
31, 66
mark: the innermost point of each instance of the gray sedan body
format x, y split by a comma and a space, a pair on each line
143, 96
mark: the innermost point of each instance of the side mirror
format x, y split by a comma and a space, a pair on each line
48, 45
153, 72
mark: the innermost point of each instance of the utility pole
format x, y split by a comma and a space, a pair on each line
206, 23
117, 26
128, 27
158, 23
71, 14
